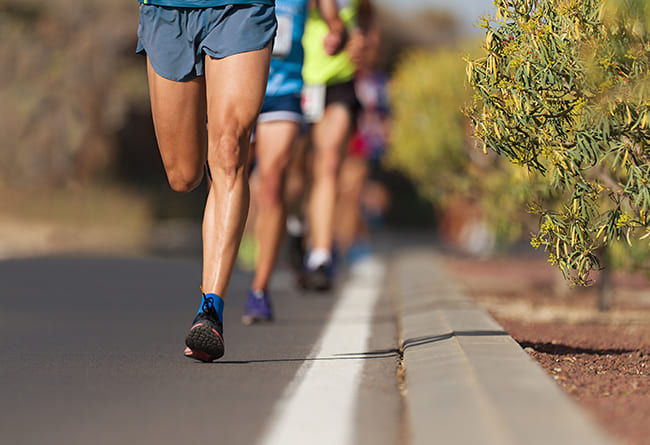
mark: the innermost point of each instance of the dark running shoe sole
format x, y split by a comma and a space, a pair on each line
205, 342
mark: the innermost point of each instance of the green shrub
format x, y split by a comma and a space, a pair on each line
563, 90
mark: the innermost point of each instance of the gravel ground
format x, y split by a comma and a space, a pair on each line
601, 359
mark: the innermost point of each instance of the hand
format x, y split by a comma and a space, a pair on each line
356, 47
335, 41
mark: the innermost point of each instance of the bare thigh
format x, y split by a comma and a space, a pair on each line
330, 137
179, 113
235, 92
275, 143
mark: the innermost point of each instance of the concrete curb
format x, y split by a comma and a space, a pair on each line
467, 380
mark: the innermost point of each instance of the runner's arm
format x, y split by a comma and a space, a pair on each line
364, 35
366, 16
337, 37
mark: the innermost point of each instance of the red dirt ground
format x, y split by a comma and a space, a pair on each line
601, 359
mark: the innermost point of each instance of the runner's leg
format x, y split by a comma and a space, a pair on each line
275, 141
329, 138
295, 194
235, 91
350, 225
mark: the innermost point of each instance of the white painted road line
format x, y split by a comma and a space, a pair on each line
319, 404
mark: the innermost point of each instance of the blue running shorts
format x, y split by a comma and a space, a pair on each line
176, 40
281, 108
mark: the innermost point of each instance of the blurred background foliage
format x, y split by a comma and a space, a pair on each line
480, 198
70, 81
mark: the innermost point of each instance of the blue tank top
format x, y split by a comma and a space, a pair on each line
285, 74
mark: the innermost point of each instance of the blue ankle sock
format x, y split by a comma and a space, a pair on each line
218, 304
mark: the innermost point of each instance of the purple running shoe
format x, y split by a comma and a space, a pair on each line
258, 307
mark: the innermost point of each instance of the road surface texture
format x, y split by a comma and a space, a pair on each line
92, 353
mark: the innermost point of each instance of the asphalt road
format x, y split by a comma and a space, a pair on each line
91, 352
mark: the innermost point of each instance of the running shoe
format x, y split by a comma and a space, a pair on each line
319, 279
257, 308
205, 339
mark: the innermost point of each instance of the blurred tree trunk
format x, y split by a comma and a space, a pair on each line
605, 285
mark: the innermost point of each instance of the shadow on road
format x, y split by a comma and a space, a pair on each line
419, 341
386, 353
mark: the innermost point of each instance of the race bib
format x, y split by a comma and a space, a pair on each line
313, 102
283, 39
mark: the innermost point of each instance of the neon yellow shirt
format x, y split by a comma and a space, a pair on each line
319, 68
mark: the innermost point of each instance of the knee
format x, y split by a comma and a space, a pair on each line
184, 181
327, 164
227, 156
271, 188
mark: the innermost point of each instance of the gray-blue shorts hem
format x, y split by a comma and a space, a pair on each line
176, 40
